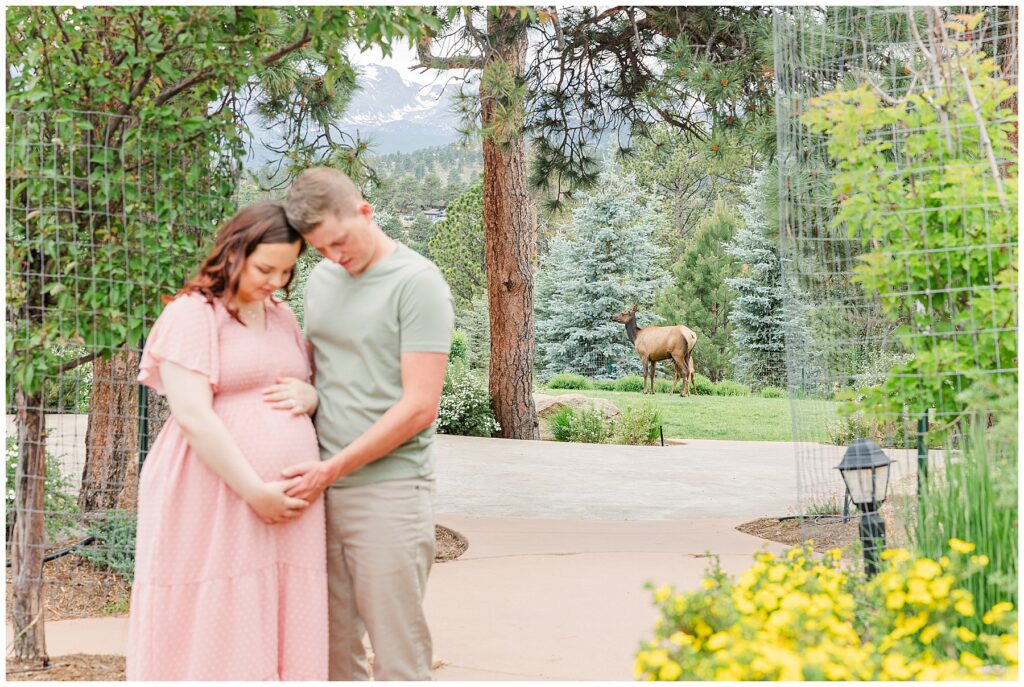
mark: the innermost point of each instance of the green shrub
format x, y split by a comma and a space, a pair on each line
629, 383
559, 424
569, 381
460, 348
638, 425
663, 386
604, 384
465, 406
58, 497
730, 388
703, 385
115, 543
586, 426
975, 499
771, 392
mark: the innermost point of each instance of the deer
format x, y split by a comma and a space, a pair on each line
652, 344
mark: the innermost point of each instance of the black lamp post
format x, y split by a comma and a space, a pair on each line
865, 470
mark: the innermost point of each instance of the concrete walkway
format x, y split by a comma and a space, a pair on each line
562, 538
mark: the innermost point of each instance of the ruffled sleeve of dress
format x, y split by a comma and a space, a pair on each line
184, 334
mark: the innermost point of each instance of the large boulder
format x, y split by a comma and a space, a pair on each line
549, 405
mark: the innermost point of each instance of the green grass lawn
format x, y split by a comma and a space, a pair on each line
739, 418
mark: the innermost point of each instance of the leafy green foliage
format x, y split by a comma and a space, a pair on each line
115, 543
457, 247
703, 385
465, 404
637, 425
460, 348
729, 388
700, 298
935, 217
585, 426
629, 383
771, 392
975, 499
58, 495
569, 381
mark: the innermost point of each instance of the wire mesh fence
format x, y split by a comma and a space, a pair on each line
897, 183
104, 218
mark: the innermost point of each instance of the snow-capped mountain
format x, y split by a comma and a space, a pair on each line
400, 115
392, 113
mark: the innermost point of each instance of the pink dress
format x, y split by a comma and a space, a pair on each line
218, 594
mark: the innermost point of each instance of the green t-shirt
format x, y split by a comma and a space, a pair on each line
359, 327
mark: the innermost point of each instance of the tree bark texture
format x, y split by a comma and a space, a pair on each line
29, 538
509, 234
111, 441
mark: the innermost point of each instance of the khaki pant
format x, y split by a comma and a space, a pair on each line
380, 546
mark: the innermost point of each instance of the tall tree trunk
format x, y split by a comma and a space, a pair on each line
28, 538
509, 235
111, 441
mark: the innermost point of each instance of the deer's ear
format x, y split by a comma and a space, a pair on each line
635, 307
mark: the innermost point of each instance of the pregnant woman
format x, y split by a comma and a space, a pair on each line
230, 572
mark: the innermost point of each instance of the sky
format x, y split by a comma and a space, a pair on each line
402, 57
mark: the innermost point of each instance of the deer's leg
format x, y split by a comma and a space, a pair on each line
692, 374
678, 366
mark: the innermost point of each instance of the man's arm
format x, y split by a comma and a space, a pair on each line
422, 381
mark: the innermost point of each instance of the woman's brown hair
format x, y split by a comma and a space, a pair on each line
220, 273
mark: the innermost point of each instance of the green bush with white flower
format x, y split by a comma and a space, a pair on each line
465, 407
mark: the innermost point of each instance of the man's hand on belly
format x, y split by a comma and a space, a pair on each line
316, 476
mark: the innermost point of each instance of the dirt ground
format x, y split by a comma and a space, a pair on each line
75, 588
827, 532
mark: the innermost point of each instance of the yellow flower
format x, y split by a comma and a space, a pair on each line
944, 561
896, 555
960, 546
926, 568
969, 660
996, 613
657, 658
717, 641
680, 639
894, 601
638, 664
1008, 649
918, 592
964, 607
670, 671
981, 560
895, 667
965, 635
707, 583
940, 587
658, 622
928, 634
678, 603
662, 593
776, 573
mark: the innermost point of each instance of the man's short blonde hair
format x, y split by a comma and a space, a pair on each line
318, 192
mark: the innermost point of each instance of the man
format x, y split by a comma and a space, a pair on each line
379, 318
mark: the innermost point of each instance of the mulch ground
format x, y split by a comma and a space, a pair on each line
75, 588
73, 667
827, 532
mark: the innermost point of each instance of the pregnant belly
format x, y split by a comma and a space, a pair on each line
270, 439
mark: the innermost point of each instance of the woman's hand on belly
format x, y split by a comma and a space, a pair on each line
292, 394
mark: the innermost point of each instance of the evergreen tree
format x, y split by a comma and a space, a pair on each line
420, 233
700, 297
766, 308
605, 261
390, 224
432, 189
458, 246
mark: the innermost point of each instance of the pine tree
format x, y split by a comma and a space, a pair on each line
700, 297
391, 225
420, 233
458, 246
767, 308
603, 262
